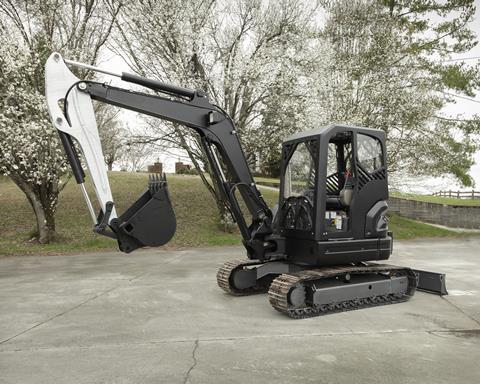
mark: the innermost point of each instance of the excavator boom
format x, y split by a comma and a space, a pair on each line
69, 102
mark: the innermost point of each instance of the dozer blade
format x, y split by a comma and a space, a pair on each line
150, 221
431, 282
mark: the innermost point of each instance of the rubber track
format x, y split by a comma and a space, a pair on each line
226, 271
281, 286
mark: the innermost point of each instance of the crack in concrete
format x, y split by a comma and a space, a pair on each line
434, 332
194, 364
130, 280
57, 315
460, 309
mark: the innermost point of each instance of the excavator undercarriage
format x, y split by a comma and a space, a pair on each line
304, 292
313, 254
301, 293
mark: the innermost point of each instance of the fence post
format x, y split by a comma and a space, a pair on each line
449, 193
473, 194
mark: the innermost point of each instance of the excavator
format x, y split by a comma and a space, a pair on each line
315, 253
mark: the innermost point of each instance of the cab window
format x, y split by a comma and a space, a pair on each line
299, 188
300, 173
369, 153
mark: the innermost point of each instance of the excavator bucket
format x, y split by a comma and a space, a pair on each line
150, 221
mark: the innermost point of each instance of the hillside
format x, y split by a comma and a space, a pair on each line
195, 211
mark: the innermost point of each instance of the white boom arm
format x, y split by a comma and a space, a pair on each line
80, 124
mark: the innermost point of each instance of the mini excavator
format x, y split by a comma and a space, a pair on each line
313, 253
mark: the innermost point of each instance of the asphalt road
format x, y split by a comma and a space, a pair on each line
158, 317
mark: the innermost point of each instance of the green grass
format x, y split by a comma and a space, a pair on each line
404, 228
437, 199
267, 180
194, 207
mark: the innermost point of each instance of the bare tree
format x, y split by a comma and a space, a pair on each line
112, 133
136, 156
245, 54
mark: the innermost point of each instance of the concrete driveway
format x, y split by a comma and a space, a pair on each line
158, 317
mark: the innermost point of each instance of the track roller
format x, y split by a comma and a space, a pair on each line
329, 290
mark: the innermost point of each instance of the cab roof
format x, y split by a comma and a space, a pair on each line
331, 129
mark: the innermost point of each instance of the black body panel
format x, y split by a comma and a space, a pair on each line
337, 252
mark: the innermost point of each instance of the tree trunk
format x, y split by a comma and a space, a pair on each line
223, 214
44, 234
110, 166
45, 217
224, 217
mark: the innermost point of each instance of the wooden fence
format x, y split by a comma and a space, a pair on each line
459, 194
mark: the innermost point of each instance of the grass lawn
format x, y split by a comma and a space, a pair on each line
437, 199
194, 208
267, 180
195, 211
404, 228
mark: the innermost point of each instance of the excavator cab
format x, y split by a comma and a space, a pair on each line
333, 196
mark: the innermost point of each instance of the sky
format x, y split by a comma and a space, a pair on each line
466, 106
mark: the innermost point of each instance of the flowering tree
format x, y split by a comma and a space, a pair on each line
30, 152
389, 68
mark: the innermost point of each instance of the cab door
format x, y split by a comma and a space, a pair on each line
371, 189
299, 189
